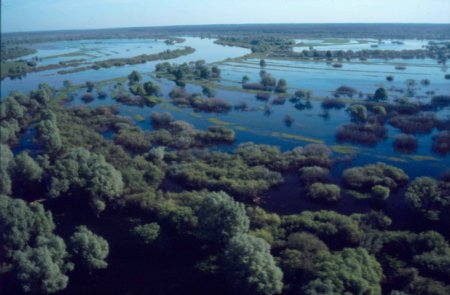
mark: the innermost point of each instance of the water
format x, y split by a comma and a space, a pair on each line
309, 125
205, 49
360, 44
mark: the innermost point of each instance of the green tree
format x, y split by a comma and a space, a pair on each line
425, 196
351, 271
79, 169
380, 94
90, 248
220, 218
148, 233
152, 89
281, 86
47, 132
250, 268
6, 156
245, 79
135, 77
24, 168
358, 112
324, 191
42, 269
262, 63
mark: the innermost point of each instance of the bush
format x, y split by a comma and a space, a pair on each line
88, 97
161, 120
346, 90
358, 112
415, 123
279, 100
324, 192
441, 101
380, 192
441, 142
363, 181
405, 143
368, 134
312, 174
263, 96
333, 103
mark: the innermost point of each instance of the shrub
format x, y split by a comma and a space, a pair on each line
324, 192
414, 123
88, 97
312, 174
346, 90
405, 143
333, 103
363, 180
441, 142
441, 101
263, 96
368, 134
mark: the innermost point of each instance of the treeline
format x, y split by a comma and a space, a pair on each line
143, 58
9, 52
311, 31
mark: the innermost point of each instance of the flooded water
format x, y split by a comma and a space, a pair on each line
309, 126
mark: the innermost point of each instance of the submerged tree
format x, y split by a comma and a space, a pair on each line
90, 248
425, 195
351, 271
220, 218
250, 268
81, 170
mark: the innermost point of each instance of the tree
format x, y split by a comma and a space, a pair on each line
152, 89
250, 268
358, 112
351, 271
362, 180
47, 132
425, 196
6, 156
38, 257
324, 191
245, 79
24, 168
335, 229
220, 218
380, 94
135, 77
215, 72
90, 86
90, 248
78, 169
148, 233
262, 63
42, 269
281, 86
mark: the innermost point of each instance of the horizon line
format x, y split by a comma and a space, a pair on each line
222, 24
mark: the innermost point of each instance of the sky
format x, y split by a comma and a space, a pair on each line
40, 15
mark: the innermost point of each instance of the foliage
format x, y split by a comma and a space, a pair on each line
90, 248
429, 197
362, 180
351, 271
335, 229
148, 232
78, 169
324, 192
249, 266
220, 218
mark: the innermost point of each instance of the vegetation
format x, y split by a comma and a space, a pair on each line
92, 197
